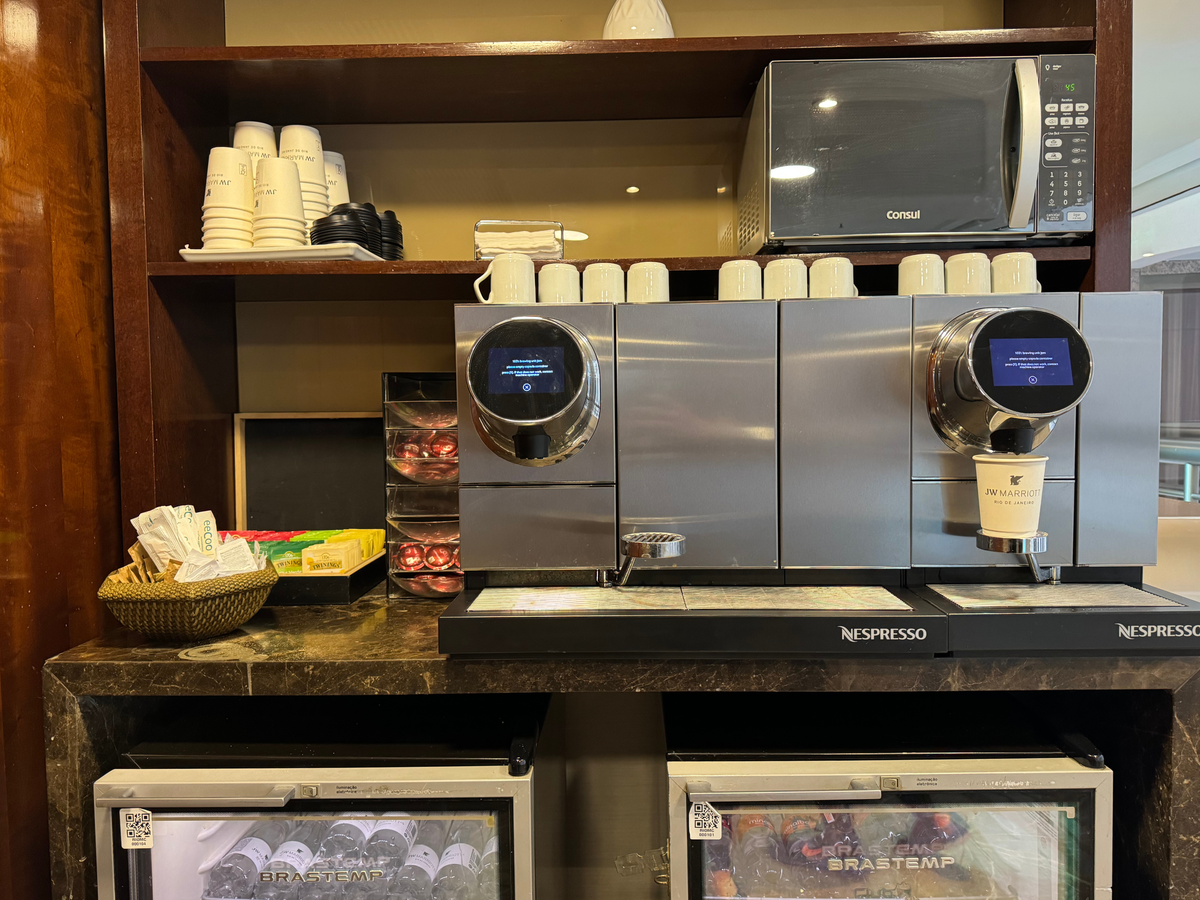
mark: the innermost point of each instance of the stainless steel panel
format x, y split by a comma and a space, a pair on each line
844, 432
1118, 431
538, 527
930, 457
595, 463
696, 411
946, 517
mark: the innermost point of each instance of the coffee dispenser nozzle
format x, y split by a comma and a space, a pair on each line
998, 379
534, 384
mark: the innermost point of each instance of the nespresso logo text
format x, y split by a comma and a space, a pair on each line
904, 214
328, 876
1131, 632
883, 634
852, 864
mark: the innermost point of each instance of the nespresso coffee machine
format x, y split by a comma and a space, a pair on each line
797, 477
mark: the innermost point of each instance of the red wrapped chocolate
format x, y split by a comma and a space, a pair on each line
444, 444
440, 556
409, 557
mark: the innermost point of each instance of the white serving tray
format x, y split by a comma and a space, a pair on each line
318, 252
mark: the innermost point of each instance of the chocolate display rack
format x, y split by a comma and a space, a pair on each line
421, 430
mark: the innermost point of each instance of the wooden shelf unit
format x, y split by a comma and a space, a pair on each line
556, 80
173, 90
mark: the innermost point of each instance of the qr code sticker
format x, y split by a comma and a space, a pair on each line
704, 822
137, 829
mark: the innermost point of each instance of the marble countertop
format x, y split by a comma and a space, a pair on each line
376, 646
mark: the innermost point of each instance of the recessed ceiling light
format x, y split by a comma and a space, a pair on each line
827, 103
720, 190
632, 189
1144, 255
574, 236
792, 171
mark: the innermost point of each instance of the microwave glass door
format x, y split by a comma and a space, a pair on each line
351, 853
883, 147
965, 846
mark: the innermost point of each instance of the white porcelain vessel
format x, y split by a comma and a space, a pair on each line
631, 19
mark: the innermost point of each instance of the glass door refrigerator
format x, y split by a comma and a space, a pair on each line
307, 822
1024, 822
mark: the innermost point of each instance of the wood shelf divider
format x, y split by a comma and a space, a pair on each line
555, 80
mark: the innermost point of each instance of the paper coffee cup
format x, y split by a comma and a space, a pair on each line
1010, 493
649, 282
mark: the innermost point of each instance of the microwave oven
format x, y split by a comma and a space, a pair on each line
918, 151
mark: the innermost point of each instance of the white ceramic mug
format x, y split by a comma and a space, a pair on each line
335, 178
740, 279
832, 276
603, 283
785, 279
277, 193
968, 273
230, 179
302, 144
512, 280
649, 282
922, 273
1010, 493
1014, 273
558, 283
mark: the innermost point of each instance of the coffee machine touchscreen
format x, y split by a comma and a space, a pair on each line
526, 370
1017, 362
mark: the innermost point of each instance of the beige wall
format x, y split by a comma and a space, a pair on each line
327, 356
249, 22
442, 179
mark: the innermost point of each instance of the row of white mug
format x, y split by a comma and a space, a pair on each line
513, 279
922, 273
513, 282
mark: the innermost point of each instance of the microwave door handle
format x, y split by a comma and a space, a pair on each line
269, 796
1030, 99
782, 796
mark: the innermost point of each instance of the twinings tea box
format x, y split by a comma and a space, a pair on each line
288, 557
329, 559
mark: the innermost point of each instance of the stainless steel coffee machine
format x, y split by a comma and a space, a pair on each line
796, 477
805, 435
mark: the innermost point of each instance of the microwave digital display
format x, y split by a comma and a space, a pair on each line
1031, 362
526, 370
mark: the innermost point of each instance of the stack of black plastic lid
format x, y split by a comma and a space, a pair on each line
393, 236
362, 225
338, 228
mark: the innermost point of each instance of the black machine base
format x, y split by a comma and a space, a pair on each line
1106, 618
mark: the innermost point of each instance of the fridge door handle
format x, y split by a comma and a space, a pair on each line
1030, 99
272, 796
872, 793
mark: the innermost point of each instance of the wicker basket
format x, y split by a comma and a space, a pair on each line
173, 611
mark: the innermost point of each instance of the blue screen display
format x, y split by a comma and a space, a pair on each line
526, 370
1031, 362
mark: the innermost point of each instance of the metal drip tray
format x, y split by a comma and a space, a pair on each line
1049, 596
828, 599
558, 600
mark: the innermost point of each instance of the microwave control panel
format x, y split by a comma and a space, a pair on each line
1067, 176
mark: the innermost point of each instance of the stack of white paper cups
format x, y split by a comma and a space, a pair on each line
603, 283
257, 139
278, 210
648, 282
335, 179
302, 145
228, 200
